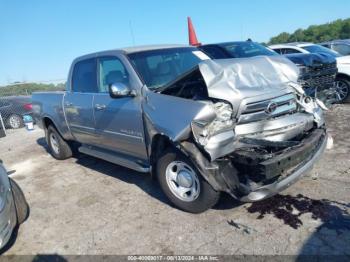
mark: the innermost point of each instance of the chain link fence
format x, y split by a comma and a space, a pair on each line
16, 104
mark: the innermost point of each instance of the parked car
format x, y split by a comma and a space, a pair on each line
201, 126
343, 63
13, 206
340, 46
317, 72
13, 108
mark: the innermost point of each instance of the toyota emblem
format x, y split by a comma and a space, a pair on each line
271, 107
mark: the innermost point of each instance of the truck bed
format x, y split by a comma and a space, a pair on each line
50, 105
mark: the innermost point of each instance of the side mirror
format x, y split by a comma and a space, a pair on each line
117, 90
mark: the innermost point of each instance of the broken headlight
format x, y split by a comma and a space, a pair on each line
204, 129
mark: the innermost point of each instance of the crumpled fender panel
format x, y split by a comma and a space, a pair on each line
172, 116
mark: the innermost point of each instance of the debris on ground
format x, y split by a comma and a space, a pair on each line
314, 176
246, 229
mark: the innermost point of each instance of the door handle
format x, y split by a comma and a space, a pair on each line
100, 107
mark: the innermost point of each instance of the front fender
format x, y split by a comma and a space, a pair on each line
170, 116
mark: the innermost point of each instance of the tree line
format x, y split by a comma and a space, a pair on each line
29, 88
338, 29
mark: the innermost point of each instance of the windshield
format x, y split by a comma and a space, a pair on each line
159, 67
247, 49
320, 49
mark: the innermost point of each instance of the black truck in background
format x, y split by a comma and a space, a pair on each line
317, 71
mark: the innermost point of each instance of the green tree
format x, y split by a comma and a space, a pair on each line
281, 38
29, 88
338, 29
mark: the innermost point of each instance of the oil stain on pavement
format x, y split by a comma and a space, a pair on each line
334, 215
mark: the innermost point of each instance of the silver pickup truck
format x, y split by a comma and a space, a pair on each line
200, 126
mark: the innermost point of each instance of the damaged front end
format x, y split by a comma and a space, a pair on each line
253, 131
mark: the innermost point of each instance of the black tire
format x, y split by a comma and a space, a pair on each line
345, 83
14, 121
207, 197
64, 150
22, 208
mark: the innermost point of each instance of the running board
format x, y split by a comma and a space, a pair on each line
112, 157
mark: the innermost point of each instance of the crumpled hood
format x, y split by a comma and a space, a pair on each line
311, 59
237, 78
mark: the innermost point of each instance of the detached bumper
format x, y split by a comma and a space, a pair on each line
269, 190
251, 174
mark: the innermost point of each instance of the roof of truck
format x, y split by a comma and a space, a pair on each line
129, 50
134, 49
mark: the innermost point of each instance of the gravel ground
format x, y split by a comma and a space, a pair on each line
88, 206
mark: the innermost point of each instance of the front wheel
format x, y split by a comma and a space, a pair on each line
182, 183
342, 86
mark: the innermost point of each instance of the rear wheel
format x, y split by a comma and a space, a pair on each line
182, 183
59, 148
343, 89
15, 121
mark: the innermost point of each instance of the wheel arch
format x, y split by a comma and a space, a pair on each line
160, 142
342, 75
47, 121
346, 80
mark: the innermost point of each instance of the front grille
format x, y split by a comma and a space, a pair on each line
259, 110
322, 67
322, 81
321, 77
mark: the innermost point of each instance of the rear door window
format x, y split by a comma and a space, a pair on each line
85, 76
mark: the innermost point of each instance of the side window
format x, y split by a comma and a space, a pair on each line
278, 50
214, 52
290, 51
85, 76
111, 70
342, 49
